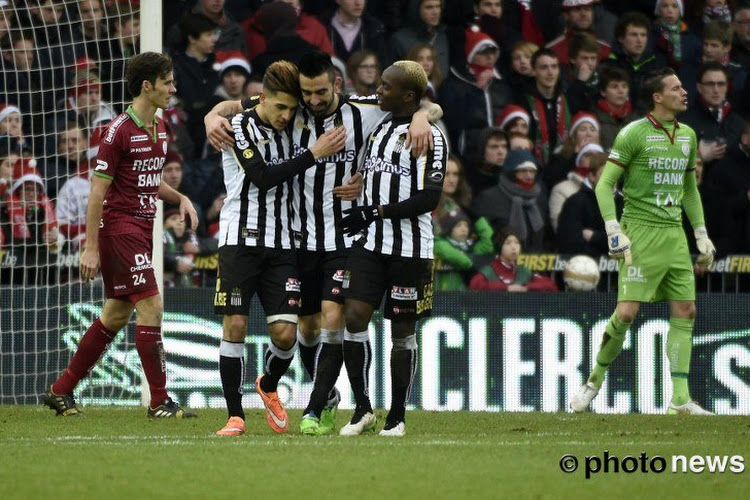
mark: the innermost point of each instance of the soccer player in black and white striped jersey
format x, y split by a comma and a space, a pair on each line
393, 251
256, 248
320, 197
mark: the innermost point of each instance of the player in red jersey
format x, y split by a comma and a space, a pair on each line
120, 217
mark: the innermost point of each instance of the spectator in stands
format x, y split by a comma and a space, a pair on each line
727, 195
741, 27
582, 75
11, 124
504, 273
473, 95
456, 195
631, 53
533, 18
581, 228
716, 124
234, 74
424, 54
547, 104
492, 150
717, 44
282, 42
8, 156
614, 109
85, 106
351, 29
34, 224
517, 201
231, 33
363, 70
195, 74
423, 26
675, 44
457, 248
520, 76
583, 130
70, 206
700, 13
579, 18
72, 143
7, 18
306, 26
514, 119
520, 142
125, 26
254, 85
587, 157
180, 248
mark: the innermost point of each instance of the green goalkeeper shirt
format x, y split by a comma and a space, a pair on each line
657, 159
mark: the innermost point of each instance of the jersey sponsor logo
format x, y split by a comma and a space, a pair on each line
348, 155
247, 154
615, 155
384, 166
141, 150
683, 139
162, 135
101, 165
292, 285
667, 163
149, 164
655, 148
403, 293
436, 176
438, 149
664, 199
112, 130
399, 146
655, 138
138, 138
149, 180
239, 135
249, 233
669, 178
142, 261
635, 274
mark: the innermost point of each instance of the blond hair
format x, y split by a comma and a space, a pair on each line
416, 78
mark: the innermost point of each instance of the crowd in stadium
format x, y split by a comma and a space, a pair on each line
533, 93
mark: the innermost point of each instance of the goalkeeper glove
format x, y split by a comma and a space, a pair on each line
619, 244
358, 218
705, 247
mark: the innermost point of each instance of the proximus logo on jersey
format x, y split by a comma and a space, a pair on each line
385, 166
348, 155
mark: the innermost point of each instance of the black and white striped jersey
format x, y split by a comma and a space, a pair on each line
317, 212
254, 214
392, 175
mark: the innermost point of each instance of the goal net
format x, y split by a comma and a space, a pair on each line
61, 82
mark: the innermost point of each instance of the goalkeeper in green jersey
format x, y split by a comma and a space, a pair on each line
656, 158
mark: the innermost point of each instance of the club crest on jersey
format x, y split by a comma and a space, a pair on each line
301, 125
686, 149
399, 143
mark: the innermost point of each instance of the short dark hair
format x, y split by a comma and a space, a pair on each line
653, 83
541, 53
282, 76
146, 66
582, 42
638, 19
718, 30
192, 25
609, 74
711, 66
315, 64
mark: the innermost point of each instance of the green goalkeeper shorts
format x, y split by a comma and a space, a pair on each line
662, 268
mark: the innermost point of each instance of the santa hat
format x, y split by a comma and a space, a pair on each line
583, 117
586, 149
476, 42
227, 59
25, 171
510, 113
85, 85
573, 4
85, 64
7, 109
679, 6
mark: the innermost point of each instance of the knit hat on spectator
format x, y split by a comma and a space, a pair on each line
573, 4
170, 212
583, 117
680, 6
519, 159
231, 59
503, 235
7, 109
510, 113
24, 171
477, 42
449, 220
586, 149
173, 157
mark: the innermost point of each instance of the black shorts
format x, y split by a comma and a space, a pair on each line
406, 281
321, 274
245, 271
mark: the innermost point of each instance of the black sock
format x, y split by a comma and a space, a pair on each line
308, 353
276, 363
330, 359
403, 368
357, 357
232, 370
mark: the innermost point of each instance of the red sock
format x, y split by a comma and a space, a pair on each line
91, 347
151, 351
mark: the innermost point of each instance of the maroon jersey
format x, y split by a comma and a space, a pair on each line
131, 154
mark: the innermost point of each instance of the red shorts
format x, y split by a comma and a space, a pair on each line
126, 266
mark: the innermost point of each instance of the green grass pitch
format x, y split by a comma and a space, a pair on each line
118, 453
